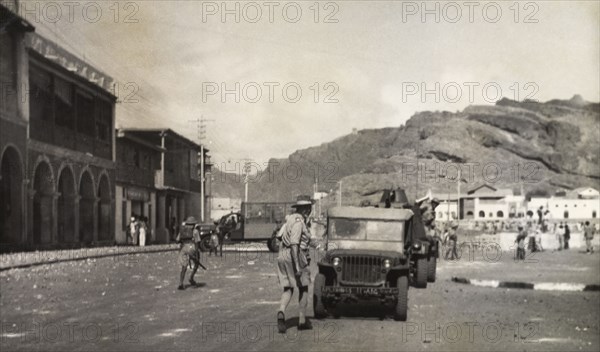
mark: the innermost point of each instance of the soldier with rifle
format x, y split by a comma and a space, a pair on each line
189, 238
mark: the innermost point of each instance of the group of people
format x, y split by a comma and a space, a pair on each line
561, 230
137, 231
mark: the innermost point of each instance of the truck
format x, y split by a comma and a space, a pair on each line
256, 222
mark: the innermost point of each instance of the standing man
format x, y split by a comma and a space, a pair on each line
132, 230
293, 262
188, 237
520, 241
452, 239
588, 235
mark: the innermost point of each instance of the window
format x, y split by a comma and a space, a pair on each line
500, 214
594, 214
63, 98
136, 158
482, 214
491, 215
85, 114
40, 95
104, 121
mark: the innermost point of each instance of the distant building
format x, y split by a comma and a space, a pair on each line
177, 181
137, 162
579, 204
486, 202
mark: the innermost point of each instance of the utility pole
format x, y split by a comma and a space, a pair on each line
201, 125
340, 192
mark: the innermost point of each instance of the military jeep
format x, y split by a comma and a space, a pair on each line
365, 259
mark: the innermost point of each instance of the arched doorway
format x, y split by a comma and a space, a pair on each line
482, 214
104, 210
500, 214
66, 207
11, 192
43, 185
86, 208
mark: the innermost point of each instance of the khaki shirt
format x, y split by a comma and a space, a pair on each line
296, 232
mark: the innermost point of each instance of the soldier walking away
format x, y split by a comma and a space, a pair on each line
588, 235
293, 262
520, 241
189, 238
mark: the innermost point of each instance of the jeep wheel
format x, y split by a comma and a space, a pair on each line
431, 267
205, 244
318, 306
401, 311
273, 244
421, 273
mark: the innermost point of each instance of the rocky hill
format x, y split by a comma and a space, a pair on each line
533, 146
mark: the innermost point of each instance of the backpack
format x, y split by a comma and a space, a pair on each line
185, 234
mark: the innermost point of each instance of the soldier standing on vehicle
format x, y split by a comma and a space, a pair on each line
189, 238
293, 262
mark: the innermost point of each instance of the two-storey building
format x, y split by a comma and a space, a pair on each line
57, 144
172, 161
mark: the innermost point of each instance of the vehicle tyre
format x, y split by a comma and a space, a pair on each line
401, 311
421, 273
431, 268
273, 244
318, 306
205, 244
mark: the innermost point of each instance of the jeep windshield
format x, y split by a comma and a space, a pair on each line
363, 230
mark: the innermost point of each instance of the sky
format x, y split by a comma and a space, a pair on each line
305, 72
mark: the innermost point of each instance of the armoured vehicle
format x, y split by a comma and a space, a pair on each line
367, 257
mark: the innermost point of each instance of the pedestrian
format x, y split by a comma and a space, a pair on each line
293, 262
452, 240
560, 235
214, 244
143, 229
520, 241
538, 238
133, 230
567, 236
189, 238
588, 235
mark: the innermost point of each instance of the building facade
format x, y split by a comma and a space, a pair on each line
137, 161
176, 190
58, 170
579, 204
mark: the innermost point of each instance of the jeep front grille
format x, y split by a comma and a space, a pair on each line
361, 269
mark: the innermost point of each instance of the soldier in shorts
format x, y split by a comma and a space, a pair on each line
293, 262
188, 237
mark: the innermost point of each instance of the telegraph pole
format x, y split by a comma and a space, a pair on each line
201, 136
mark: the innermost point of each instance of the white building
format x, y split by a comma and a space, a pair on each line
581, 203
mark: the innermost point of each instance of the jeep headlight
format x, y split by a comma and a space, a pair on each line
336, 261
417, 246
387, 263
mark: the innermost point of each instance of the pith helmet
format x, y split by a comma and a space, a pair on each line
303, 200
191, 220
